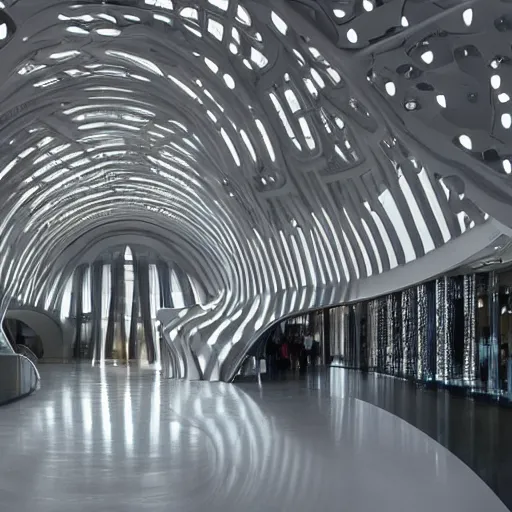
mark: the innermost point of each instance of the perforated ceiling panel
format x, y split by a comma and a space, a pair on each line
284, 150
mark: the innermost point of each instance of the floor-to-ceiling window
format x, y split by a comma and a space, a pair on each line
113, 304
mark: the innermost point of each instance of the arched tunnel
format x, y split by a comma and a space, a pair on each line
286, 165
185, 182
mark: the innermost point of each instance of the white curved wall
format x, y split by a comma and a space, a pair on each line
47, 329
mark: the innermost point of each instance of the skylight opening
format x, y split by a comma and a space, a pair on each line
130, 17
325, 122
305, 247
368, 5
107, 17
311, 87
315, 53
189, 13
292, 100
145, 64
162, 18
352, 36
266, 139
187, 90
339, 13
211, 65
306, 131
466, 142
221, 4
236, 35
233, 48
323, 236
317, 78
362, 247
314, 235
231, 147
467, 16
428, 57
419, 220
441, 100
506, 121
192, 30
3, 31
352, 254
385, 237
507, 166
284, 119
64, 55
340, 153
405, 22
373, 244
217, 104
108, 32
390, 88
258, 58
216, 29
279, 23
335, 76
47, 83
495, 81
248, 144
461, 217
77, 30
503, 97
162, 4
388, 203
242, 16
229, 81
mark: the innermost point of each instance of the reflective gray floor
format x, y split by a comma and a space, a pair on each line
122, 440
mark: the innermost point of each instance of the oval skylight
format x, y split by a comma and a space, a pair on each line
279, 23
391, 88
466, 142
467, 16
428, 57
352, 36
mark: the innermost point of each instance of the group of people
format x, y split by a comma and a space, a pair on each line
291, 352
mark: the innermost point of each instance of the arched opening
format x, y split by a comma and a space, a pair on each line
112, 302
292, 346
24, 336
37, 331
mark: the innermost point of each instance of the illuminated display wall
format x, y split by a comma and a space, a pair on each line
454, 330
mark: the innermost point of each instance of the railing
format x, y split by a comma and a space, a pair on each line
18, 377
25, 351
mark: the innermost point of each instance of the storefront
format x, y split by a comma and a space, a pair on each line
455, 331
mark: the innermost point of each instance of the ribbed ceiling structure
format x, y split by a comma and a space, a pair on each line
281, 150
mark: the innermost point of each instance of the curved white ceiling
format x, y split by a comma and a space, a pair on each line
283, 147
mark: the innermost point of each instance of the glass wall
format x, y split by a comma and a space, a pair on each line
113, 304
455, 331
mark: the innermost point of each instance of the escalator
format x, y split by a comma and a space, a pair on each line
18, 373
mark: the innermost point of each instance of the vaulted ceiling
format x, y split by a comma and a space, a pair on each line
285, 152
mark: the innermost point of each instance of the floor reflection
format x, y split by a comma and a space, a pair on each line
117, 439
476, 432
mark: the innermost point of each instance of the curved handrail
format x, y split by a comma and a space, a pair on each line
27, 352
35, 374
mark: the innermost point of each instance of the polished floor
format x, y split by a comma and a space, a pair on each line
121, 439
